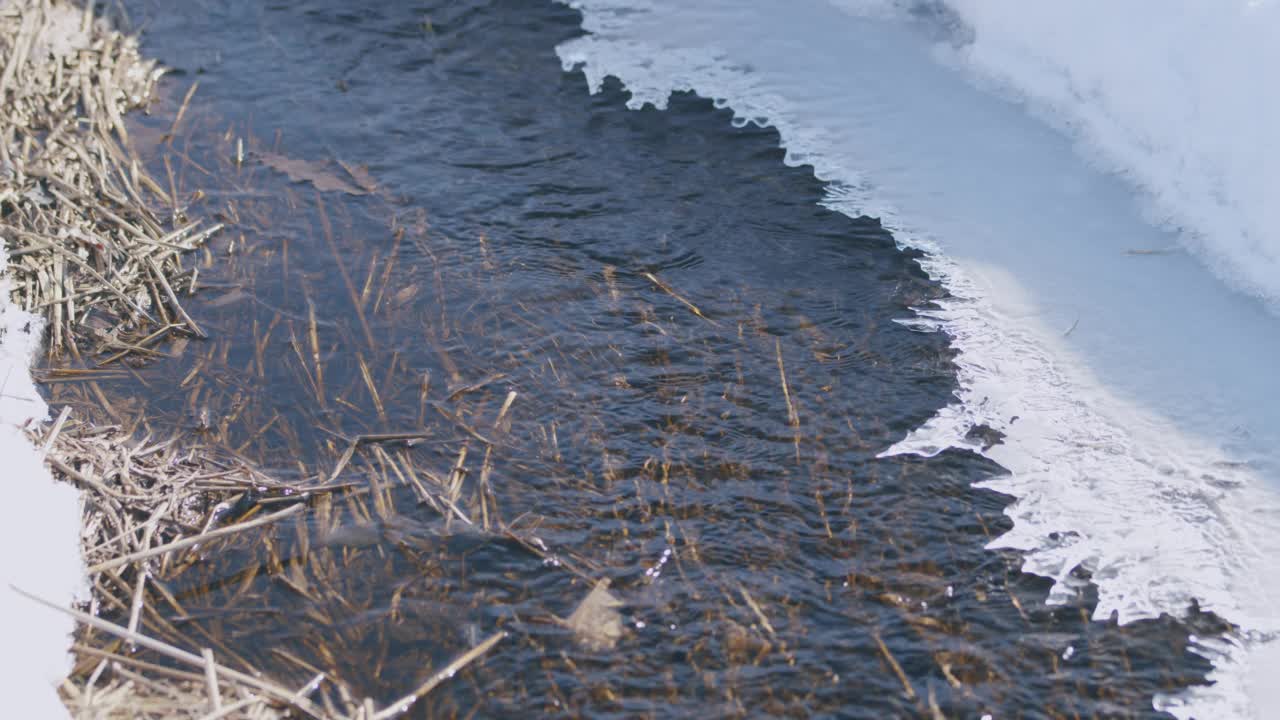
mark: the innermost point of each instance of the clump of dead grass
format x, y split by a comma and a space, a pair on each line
94, 242
95, 247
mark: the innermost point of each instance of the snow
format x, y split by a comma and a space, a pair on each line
1174, 96
1137, 393
39, 534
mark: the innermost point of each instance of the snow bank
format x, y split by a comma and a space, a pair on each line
39, 519
39, 533
1177, 97
1137, 392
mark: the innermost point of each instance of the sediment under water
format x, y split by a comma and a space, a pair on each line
705, 362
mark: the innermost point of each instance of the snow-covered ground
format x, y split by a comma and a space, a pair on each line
39, 533
1174, 96
39, 518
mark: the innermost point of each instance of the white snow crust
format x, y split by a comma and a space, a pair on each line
1084, 177
39, 533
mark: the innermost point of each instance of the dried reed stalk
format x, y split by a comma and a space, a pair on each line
96, 246
92, 239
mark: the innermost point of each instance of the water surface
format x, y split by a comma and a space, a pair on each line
706, 367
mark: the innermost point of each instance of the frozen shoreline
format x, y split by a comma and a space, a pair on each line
67, 80
39, 529
1166, 95
40, 522
1133, 389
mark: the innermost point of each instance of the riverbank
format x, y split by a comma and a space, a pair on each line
93, 274
98, 270
39, 526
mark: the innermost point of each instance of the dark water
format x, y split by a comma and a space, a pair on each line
705, 362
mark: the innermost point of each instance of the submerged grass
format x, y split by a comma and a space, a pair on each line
97, 247
406, 474
198, 524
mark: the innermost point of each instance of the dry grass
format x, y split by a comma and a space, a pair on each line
96, 247
94, 242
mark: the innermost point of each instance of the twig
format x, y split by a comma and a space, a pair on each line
897, 669
196, 540
475, 386
173, 299
685, 301
178, 654
55, 430
793, 418
211, 679
403, 705
182, 110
